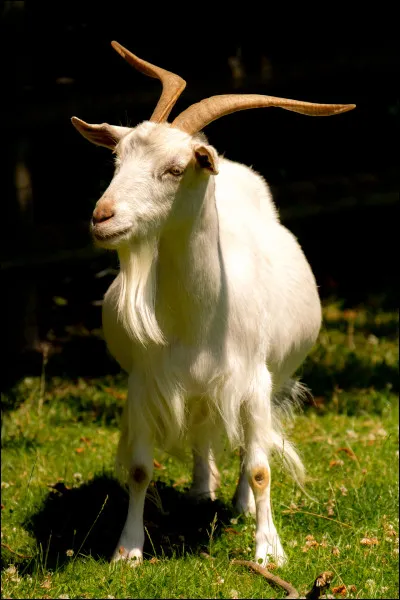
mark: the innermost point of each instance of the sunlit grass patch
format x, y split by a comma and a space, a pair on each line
62, 509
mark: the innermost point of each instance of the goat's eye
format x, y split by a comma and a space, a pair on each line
175, 170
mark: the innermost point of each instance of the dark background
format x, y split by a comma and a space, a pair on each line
335, 180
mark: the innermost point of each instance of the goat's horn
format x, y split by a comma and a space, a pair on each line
197, 116
173, 85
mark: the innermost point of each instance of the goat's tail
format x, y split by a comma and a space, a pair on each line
289, 455
285, 403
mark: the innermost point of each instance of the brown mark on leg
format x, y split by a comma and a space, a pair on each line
259, 479
139, 474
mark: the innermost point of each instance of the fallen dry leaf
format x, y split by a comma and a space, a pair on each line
330, 507
336, 463
231, 530
369, 541
157, 465
312, 544
79, 450
85, 439
340, 589
348, 451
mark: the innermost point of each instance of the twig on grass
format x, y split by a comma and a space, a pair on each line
274, 579
3, 545
321, 583
306, 512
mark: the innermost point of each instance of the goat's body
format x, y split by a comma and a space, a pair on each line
215, 306
257, 307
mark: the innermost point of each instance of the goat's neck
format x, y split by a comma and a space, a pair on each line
170, 290
189, 266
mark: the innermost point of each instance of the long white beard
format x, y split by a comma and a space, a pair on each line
137, 294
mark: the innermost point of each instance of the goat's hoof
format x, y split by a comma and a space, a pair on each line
133, 557
245, 509
197, 495
244, 506
279, 559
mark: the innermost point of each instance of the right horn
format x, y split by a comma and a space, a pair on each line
197, 116
173, 85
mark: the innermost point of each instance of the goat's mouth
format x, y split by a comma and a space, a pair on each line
108, 236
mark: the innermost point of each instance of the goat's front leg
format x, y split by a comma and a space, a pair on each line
130, 545
268, 544
258, 472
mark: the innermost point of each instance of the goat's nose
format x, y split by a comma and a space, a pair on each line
102, 213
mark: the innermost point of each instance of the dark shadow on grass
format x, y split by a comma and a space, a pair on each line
82, 520
354, 374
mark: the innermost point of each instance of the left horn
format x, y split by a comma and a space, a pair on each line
197, 116
172, 84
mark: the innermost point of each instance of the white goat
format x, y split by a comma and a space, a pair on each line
214, 308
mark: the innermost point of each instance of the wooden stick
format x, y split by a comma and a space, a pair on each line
3, 545
321, 583
274, 579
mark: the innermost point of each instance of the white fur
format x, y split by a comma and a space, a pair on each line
213, 310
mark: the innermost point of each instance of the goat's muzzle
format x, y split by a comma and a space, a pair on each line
105, 229
103, 212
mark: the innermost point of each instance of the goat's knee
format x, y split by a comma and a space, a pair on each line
259, 479
139, 476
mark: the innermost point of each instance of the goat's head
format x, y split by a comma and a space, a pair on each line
155, 161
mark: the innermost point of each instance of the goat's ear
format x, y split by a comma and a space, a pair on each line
102, 135
207, 158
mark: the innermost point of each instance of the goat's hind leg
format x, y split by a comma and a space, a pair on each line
206, 478
243, 499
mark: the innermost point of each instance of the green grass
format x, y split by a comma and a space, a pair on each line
58, 492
